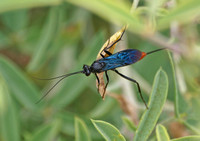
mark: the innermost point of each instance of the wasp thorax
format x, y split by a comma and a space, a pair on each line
97, 66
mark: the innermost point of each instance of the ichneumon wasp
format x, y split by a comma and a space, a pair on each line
113, 61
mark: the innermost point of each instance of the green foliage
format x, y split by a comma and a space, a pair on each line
7, 5
47, 38
8, 120
161, 133
129, 124
23, 90
156, 103
46, 132
188, 138
81, 132
108, 131
176, 106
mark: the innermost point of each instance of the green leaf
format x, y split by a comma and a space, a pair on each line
156, 103
129, 123
4, 40
9, 123
81, 131
176, 105
68, 128
102, 108
119, 12
22, 89
108, 131
189, 9
188, 138
47, 36
191, 127
15, 20
46, 132
161, 133
8, 5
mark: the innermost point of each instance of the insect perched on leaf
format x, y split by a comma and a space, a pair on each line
111, 62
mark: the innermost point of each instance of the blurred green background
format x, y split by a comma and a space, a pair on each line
49, 38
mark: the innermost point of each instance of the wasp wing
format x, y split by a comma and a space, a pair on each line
120, 59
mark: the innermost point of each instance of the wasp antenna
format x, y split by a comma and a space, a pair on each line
155, 50
62, 77
50, 90
52, 78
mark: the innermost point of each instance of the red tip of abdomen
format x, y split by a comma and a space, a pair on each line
143, 55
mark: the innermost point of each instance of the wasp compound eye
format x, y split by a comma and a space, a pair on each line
86, 70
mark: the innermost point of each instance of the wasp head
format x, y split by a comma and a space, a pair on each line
86, 70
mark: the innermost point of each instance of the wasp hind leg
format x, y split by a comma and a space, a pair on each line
138, 86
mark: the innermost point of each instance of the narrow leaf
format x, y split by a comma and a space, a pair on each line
68, 128
161, 133
8, 5
191, 127
119, 12
188, 138
15, 20
44, 43
102, 108
176, 105
129, 123
156, 103
81, 131
108, 131
9, 124
23, 90
46, 132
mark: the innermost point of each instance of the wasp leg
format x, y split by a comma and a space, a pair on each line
116, 40
102, 55
106, 84
107, 47
138, 86
107, 52
98, 82
104, 49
